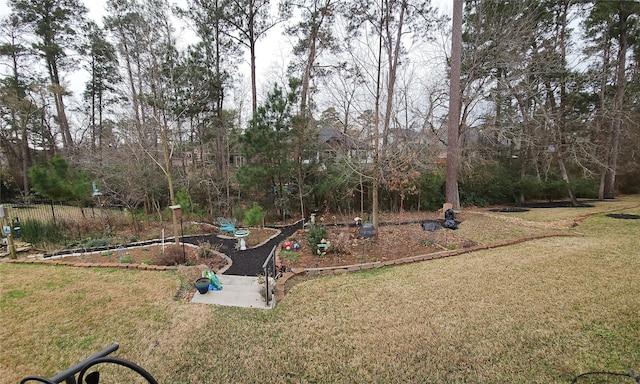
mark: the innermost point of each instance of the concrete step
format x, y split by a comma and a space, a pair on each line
237, 291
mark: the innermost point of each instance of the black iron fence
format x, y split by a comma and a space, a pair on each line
47, 221
269, 269
50, 211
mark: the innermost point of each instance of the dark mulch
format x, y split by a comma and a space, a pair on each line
556, 204
524, 207
510, 209
248, 262
623, 216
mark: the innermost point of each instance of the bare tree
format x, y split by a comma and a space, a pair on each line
55, 24
617, 17
453, 146
17, 107
250, 21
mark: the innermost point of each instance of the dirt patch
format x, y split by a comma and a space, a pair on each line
170, 255
394, 241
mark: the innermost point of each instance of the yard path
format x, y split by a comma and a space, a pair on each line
248, 262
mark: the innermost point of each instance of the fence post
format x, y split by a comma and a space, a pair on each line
53, 213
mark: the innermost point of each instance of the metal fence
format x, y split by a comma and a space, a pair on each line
49, 211
71, 223
269, 270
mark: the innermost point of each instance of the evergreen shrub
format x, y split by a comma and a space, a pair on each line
314, 236
254, 216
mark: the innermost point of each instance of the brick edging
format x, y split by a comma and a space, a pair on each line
339, 270
145, 267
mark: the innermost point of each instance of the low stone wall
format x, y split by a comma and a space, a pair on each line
92, 265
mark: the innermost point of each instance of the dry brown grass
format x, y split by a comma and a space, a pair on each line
537, 312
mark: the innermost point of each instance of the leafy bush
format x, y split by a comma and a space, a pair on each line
314, 236
36, 232
627, 181
289, 255
182, 199
95, 243
585, 187
431, 186
485, 184
531, 186
254, 216
126, 259
554, 188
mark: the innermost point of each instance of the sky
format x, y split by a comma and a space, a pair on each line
273, 47
271, 54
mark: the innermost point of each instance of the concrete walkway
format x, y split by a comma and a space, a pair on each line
240, 287
237, 291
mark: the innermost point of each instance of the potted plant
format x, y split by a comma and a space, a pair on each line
202, 285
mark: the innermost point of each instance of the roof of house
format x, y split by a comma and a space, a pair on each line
327, 134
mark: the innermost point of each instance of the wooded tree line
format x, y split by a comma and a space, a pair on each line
549, 94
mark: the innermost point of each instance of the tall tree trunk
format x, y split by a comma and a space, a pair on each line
26, 158
306, 78
132, 85
58, 92
254, 89
453, 146
376, 150
394, 58
621, 79
601, 113
562, 115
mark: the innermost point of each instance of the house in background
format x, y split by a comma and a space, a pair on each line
333, 144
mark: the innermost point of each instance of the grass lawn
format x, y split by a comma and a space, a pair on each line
538, 312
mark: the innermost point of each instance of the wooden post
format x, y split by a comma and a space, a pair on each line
10, 244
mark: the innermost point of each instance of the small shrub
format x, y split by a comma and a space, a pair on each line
314, 236
586, 188
431, 186
425, 243
95, 243
35, 232
254, 216
289, 255
206, 250
554, 188
126, 259
183, 199
172, 255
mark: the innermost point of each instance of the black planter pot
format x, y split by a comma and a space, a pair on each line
202, 285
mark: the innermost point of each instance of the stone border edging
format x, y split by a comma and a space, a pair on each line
327, 271
146, 267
